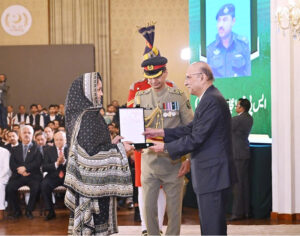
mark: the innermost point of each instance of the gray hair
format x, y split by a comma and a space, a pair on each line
27, 127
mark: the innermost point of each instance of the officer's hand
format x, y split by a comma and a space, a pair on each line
157, 147
185, 168
150, 133
128, 147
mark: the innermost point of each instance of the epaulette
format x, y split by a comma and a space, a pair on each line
139, 93
176, 91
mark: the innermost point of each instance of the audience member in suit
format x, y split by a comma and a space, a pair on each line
40, 139
49, 136
208, 139
13, 140
55, 165
4, 176
52, 116
241, 127
25, 163
20, 117
35, 119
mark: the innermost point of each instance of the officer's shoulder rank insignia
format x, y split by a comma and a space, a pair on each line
176, 91
188, 104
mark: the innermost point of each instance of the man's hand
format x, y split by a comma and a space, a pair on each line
60, 159
127, 146
157, 147
25, 174
185, 168
150, 133
116, 139
21, 170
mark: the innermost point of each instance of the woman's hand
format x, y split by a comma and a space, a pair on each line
116, 139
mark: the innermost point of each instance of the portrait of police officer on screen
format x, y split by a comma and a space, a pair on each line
229, 54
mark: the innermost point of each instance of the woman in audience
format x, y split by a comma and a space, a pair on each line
97, 170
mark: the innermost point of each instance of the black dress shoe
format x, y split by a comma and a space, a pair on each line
16, 215
51, 215
29, 215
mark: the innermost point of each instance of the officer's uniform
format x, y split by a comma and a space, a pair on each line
233, 61
161, 201
168, 108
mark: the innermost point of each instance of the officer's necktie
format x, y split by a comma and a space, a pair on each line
61, 173
25, 150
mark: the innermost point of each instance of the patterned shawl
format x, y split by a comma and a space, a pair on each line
96, 168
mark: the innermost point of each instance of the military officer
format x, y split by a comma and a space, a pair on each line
164, 107
229, 54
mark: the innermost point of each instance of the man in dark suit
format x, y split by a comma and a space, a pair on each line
55, 165
241, 127
25, 162
208, 138
13, 140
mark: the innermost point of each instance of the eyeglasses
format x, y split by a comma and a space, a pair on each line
189, 76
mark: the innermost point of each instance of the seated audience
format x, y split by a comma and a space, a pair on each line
4, 176
4, 138
56, 125
115, 103
111, 111
49, 136
106, 118
40, 139
35, 119
52, 116
13, 140
25, 162
10, 116
55, 165
16, 127
51, 125
62, 114
20, 117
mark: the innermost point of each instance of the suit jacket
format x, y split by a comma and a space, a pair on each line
32, 162
50, 157
208, 139
241, 127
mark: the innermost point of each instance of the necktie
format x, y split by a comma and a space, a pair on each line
25, 152
61, 173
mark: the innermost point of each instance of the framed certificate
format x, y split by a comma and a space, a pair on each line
132, 126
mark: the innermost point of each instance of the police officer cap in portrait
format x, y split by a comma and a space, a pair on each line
227, 9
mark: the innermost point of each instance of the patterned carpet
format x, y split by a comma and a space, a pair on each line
232, 230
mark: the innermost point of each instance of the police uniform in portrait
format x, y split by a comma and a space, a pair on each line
231, 61
166, 108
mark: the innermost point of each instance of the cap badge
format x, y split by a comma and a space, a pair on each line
216, 52
226, 10
150, 67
